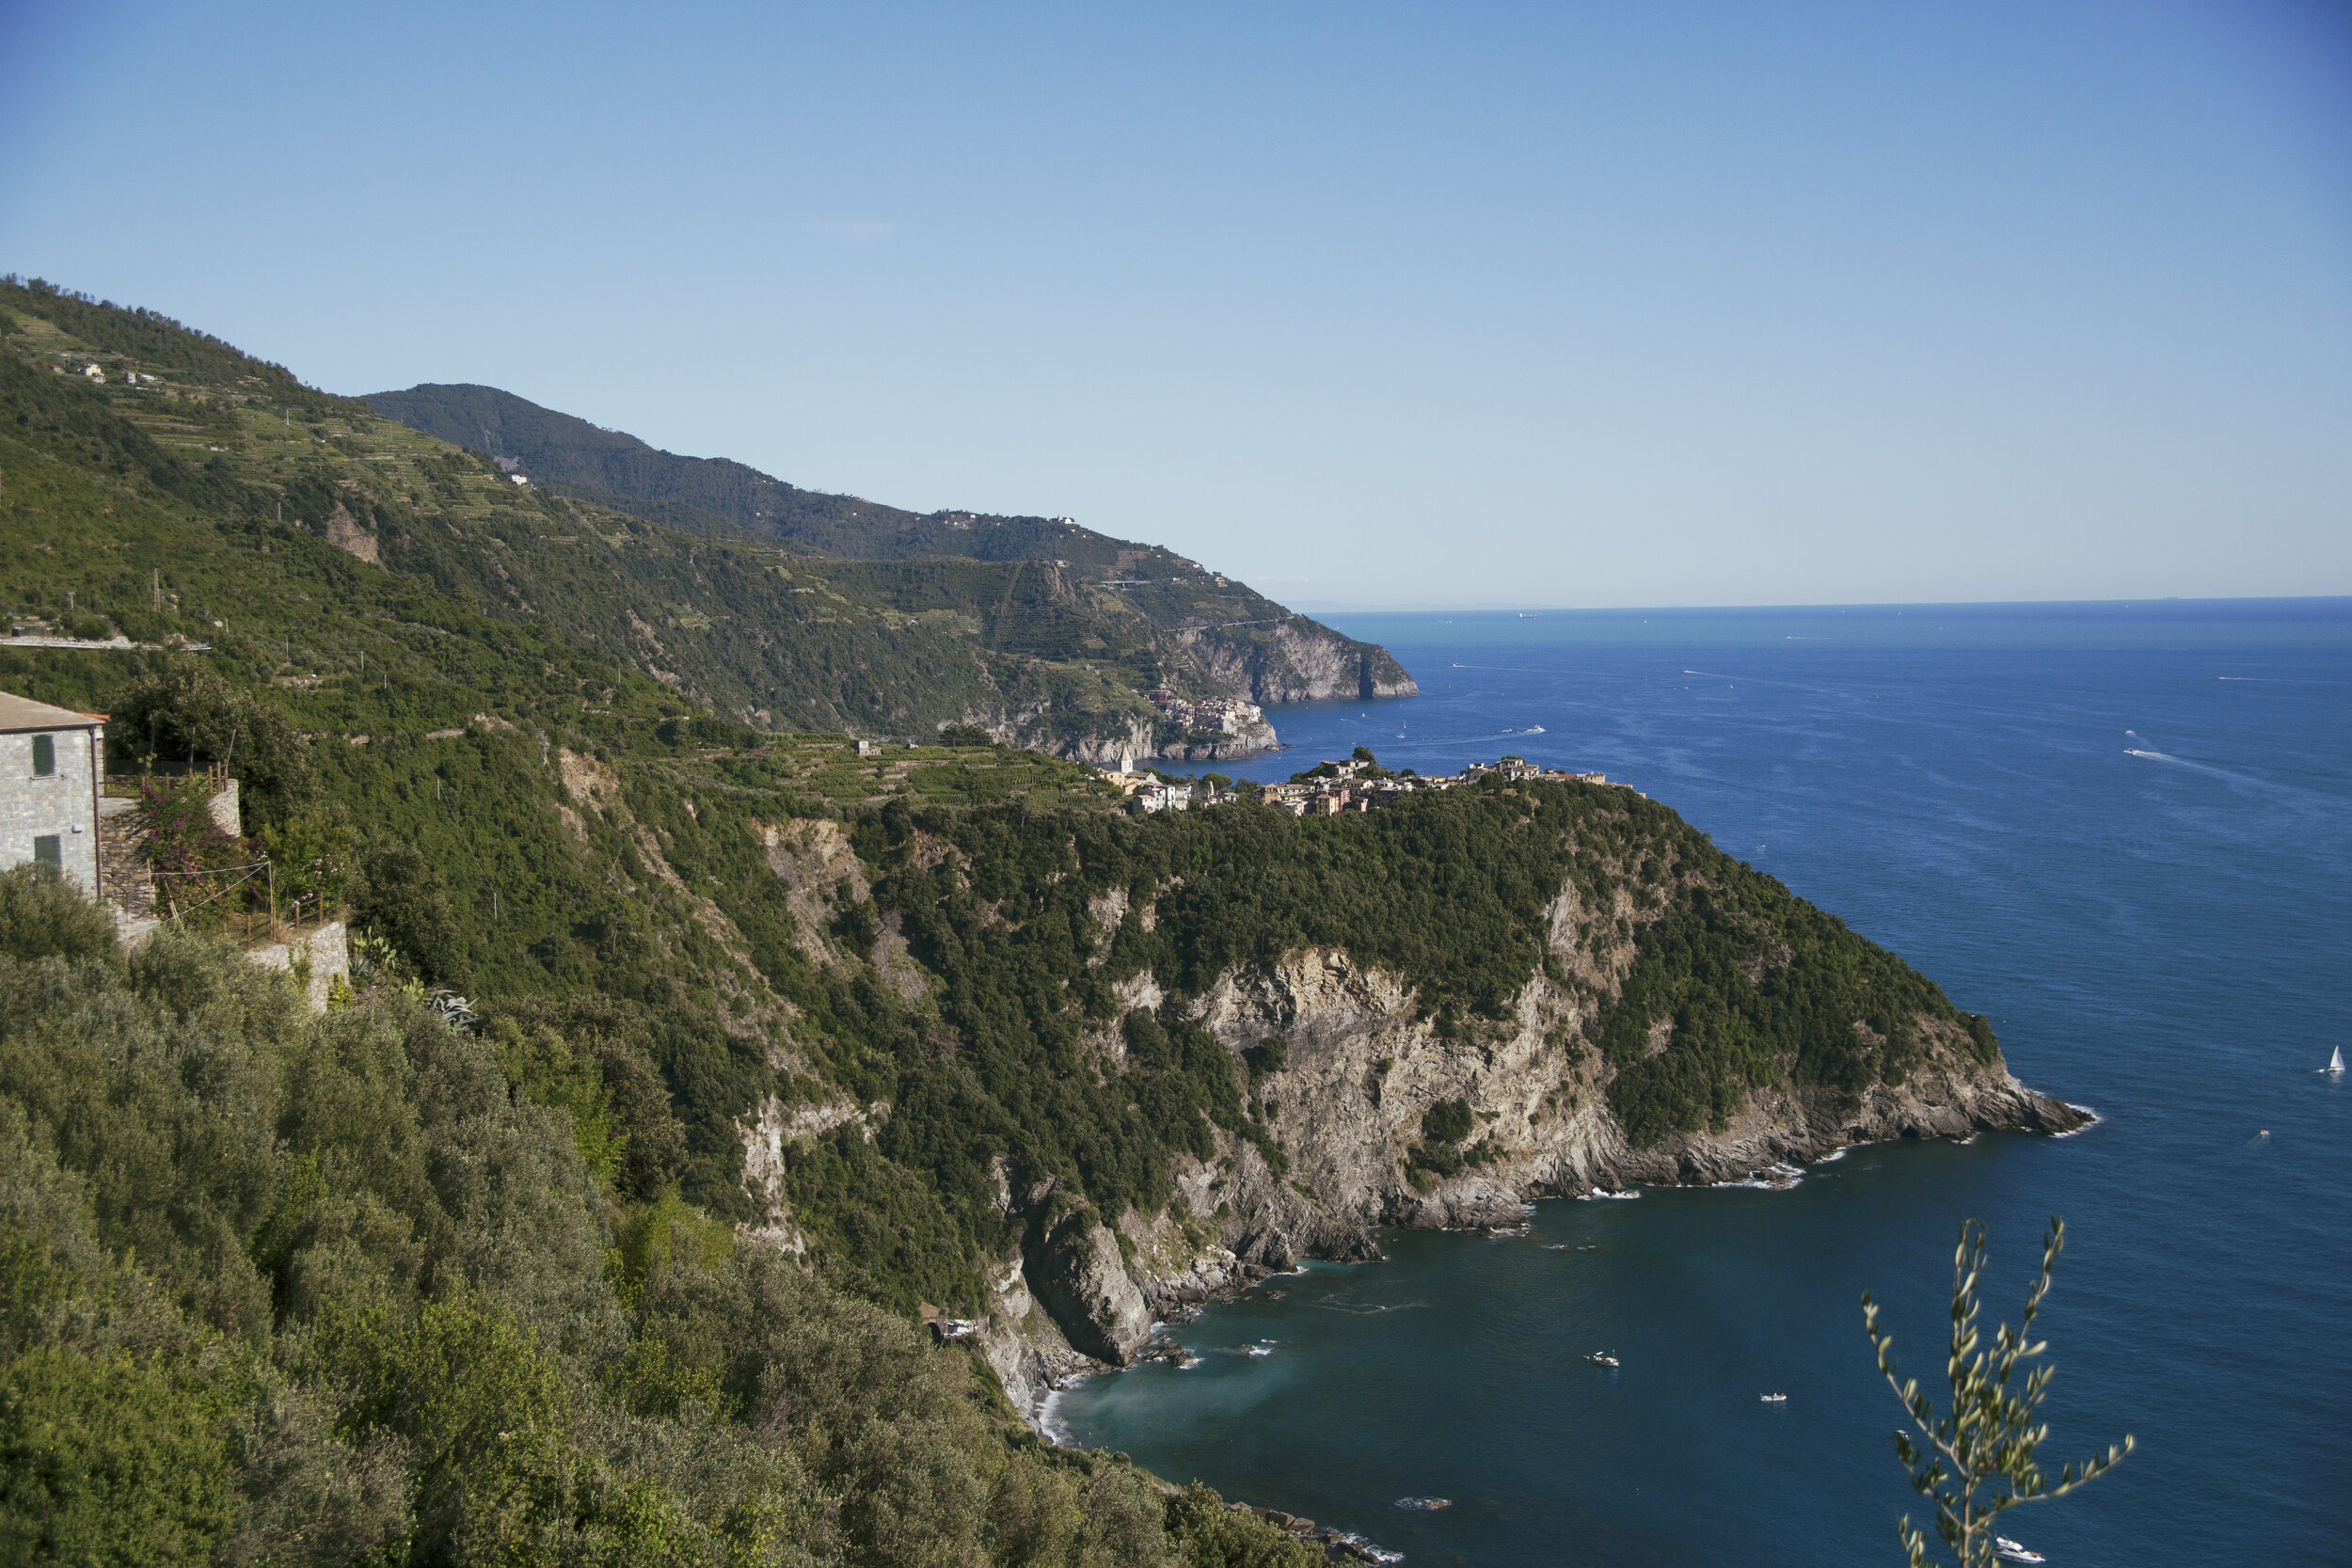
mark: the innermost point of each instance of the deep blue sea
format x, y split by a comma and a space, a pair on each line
2124, 833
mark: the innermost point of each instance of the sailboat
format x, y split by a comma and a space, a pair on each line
2335, 1063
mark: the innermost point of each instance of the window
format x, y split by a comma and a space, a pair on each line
46, 852
44, 755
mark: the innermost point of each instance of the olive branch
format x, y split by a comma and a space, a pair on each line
1978, 1460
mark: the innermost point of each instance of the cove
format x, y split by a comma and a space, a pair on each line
2158, 923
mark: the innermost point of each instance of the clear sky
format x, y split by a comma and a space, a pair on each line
1369, 304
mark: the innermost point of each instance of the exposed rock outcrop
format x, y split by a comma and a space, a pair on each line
1298, 661
1359, 1072
1078, 1272
346, 532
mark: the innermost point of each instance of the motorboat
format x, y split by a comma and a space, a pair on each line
1773, 1399
1603, 1358
2010, 1551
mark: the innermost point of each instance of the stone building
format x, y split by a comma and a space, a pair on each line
52, 767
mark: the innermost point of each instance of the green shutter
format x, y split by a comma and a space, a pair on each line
44, 755
46, 851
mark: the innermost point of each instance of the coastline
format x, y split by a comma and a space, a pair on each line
1346, 1546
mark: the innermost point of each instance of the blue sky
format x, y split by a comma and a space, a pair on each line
1369, 304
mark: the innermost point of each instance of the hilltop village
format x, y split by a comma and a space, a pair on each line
1358, 784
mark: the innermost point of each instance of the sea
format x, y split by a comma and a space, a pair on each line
2123, 832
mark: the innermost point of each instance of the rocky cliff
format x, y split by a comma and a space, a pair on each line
1298, 661
1112, 1068
1136, 738
1361, 1071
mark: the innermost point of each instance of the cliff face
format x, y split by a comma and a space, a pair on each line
1360, 1072
1134, 737
1296, 660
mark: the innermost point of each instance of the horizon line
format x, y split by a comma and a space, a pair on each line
1489, 607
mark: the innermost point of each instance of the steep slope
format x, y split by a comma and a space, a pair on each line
736, 625
701, 494
939, 1021
1108, 1066
1163, 619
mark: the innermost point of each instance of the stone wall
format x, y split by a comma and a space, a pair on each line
59, 805
322, 953
223, 806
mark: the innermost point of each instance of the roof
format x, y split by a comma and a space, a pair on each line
19, 714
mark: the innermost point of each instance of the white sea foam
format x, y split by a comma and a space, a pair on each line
1626, 1192
1833, 1157
1773, 1178
2096, 1119
1255, 1350
1050, 1423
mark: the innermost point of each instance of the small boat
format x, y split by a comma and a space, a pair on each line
1603, 1358
1535, 729
2010, 1551
2335, 1063
1773, 1399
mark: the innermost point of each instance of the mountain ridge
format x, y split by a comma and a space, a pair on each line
1075, 595
1024, 650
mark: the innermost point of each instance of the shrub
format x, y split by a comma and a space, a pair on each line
185, 712
41, 913
1266, 1058
1449, 1121
402, 899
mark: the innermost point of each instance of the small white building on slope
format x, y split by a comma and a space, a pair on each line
52, 767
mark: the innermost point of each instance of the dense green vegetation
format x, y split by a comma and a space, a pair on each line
367, 1287
1034, 585
149, 502
1824, 1008
1019, 1049
371, 1285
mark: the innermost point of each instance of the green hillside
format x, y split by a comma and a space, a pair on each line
1051, 588
375, 1288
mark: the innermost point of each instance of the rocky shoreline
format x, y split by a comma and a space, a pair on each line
1035, 1374
1339, 1135
1121, 1313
